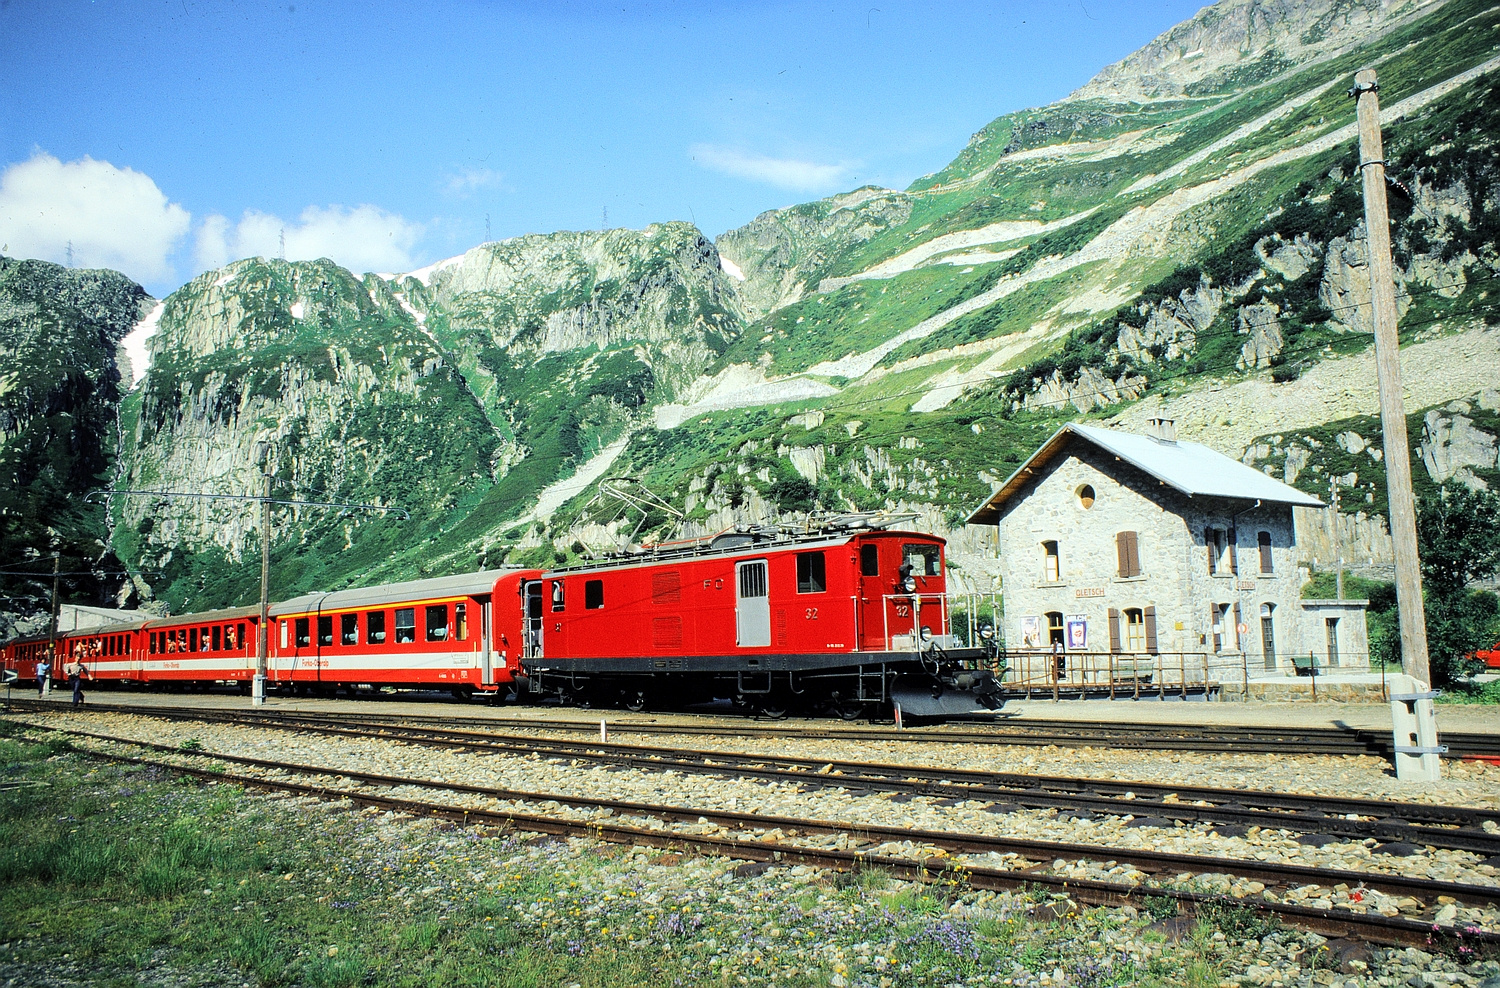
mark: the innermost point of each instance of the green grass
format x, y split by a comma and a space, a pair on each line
108, 870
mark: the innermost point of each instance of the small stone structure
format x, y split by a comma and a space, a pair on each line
1117, 544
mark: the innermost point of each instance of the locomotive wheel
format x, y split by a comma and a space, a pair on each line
633, 700
848, 709
772, 708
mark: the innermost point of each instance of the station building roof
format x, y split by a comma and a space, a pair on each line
1191, 468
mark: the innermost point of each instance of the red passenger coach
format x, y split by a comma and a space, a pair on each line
213, 646
442, 632
853, 619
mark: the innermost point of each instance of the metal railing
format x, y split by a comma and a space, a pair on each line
1112, 674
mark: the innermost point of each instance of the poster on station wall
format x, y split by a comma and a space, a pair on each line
1031, 631
1078, 631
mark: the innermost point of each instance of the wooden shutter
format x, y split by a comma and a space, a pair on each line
1213, 563
1114, 630
1239, 646
1122, 552
1234, 561
1151, 645
1132, 554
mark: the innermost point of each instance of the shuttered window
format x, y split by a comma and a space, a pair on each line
1135, 630
1127, 548
1211, 543
1114, 630
1052, 565
1151, 643
1263, 539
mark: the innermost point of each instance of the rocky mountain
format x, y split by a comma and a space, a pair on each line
60, 384
1184, 235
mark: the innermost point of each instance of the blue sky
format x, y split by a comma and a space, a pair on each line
164, 138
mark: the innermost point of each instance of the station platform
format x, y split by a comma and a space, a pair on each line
1464, 718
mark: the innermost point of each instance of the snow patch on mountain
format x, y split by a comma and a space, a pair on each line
134, 343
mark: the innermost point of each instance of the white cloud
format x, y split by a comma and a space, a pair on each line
785, 173
114, 217
364, 238
467, 181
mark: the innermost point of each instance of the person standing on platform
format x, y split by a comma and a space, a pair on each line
43, 670
75, 671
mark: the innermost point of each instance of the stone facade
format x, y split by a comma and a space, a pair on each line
1167, 599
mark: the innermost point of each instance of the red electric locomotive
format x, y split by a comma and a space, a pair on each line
853, 618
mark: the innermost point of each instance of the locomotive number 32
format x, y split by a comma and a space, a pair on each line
812, 613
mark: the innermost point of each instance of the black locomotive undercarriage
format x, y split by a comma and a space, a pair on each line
934, 682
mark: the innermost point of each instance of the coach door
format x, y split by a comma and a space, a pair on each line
533, 605
752, 613
487, 675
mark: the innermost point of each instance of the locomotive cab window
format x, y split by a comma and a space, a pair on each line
593, 594
812, 575
375, 628
437, 622
349, 629
406, 625
302, 633
925, 560
869, 559
325, 629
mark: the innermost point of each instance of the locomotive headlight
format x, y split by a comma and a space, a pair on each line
987, 633
926, 633
909, 585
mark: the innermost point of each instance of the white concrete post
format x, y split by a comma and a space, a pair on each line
1414, 730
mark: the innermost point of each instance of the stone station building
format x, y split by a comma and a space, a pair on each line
1115, 545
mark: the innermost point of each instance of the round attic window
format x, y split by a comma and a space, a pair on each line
1086, 496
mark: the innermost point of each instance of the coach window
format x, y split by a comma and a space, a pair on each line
151, 643
218, 637
437, 622
284, 625
240, 640
203, 640
812, 577
304, 638
375, 628
869, 559
593, 595
460, 622
558, 601
192, 639
349, 629
325, 629
406, 625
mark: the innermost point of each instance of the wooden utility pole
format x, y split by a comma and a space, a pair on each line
1403, 508
52, 637
262, 639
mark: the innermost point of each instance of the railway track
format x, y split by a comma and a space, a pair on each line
765, 838
1035, 733
1401, 826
